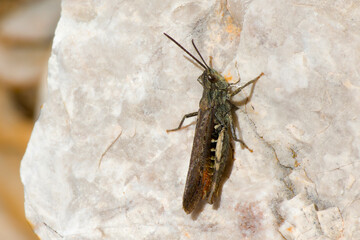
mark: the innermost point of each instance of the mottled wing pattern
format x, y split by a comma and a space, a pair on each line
200, 153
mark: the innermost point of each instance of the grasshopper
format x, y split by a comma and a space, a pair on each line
214, 131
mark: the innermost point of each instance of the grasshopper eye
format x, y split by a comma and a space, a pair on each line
211, 78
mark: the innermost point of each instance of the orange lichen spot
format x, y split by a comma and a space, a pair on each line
290, 229
228, 77
232, 28
296, 164
187, 235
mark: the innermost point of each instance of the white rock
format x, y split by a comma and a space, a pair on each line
116, 84
331, 222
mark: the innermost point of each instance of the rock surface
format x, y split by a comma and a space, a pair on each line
116, 84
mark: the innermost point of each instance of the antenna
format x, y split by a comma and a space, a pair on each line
204, 66
199, 54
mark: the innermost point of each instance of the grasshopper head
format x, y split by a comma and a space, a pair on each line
210, 78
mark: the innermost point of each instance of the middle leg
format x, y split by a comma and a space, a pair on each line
193, 114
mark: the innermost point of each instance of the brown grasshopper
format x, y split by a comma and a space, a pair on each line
212, 144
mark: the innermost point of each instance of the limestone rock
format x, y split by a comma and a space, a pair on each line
116, 84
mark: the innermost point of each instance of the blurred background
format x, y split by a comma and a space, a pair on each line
26, 31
